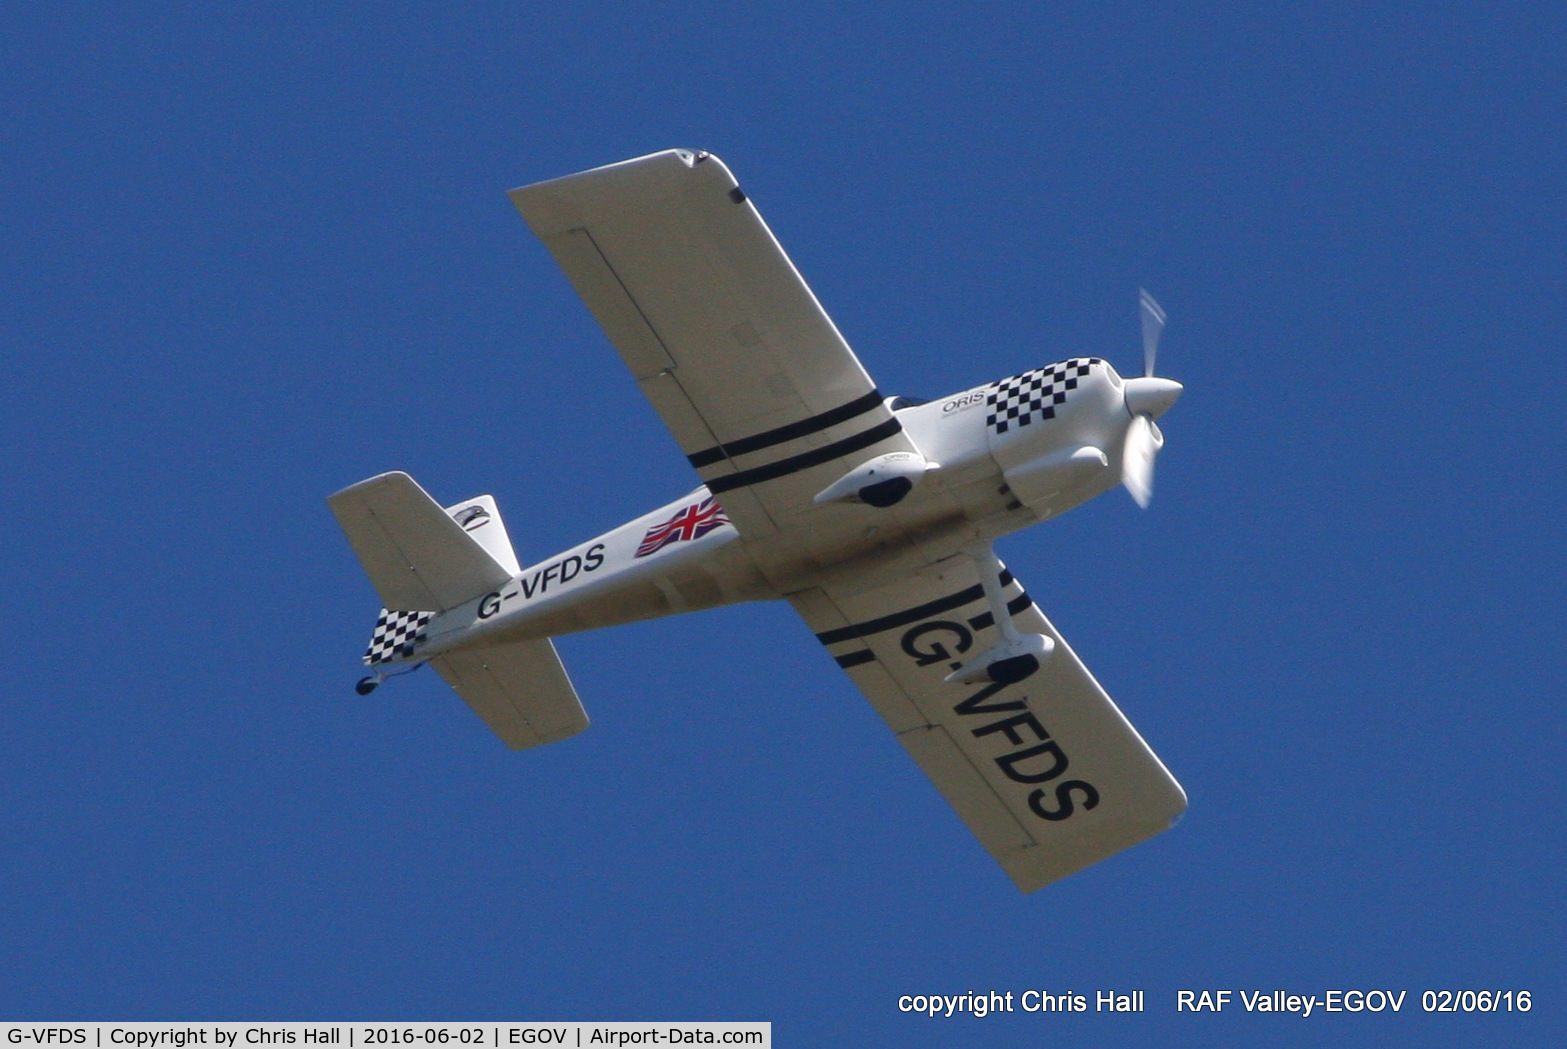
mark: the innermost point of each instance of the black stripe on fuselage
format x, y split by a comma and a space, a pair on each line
815, 424
854, 659
805, 460
918, 612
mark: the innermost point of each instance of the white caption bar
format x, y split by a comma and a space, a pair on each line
573, 1034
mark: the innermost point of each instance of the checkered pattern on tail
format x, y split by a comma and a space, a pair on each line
1018, 399
396, 634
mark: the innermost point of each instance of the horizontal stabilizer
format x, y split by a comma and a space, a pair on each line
416, 555
520, 690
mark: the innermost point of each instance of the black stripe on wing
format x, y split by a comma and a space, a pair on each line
806, 460
815, 424
925, 611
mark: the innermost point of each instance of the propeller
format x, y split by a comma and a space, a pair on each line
1143, 441
1153, 327
1146, 399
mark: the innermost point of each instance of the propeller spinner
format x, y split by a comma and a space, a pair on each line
1147, 398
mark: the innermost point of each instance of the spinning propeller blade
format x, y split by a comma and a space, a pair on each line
1153, 327
1143, 441
1145, 398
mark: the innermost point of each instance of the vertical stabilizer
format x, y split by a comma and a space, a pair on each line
480, 518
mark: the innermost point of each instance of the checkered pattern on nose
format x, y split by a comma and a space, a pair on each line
396, 634
1016, 401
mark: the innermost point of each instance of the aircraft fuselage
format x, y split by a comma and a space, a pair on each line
1008, 454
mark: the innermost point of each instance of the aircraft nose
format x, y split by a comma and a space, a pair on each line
1151, 396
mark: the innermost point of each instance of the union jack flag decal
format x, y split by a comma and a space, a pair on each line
694, 521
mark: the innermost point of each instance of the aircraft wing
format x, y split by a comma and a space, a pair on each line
721, 333
1047, 772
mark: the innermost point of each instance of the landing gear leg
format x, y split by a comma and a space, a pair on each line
984, 557
1017, 655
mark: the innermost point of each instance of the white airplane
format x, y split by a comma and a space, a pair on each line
872, 516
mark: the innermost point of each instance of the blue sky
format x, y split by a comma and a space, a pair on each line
254, 254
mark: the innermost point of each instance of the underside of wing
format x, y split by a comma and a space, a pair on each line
1046, 771
724, 337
